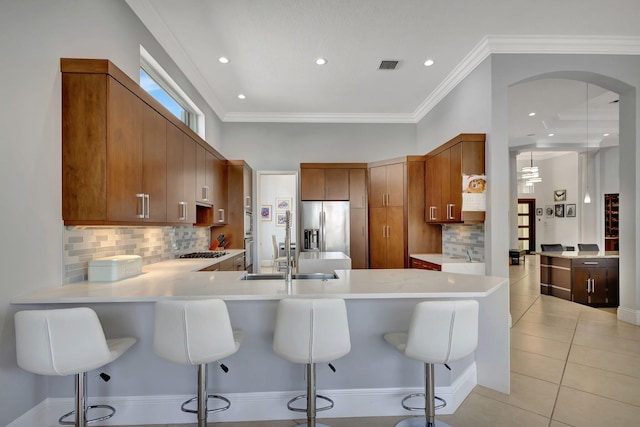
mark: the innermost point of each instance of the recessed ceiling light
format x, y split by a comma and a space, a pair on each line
428, 63
320, 61
606, 134
551, 134
223, 60
532, 114
241, 96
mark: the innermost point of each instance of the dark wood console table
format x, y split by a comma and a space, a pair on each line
589, 278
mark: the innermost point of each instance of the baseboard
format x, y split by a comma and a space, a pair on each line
138, 410
628, 315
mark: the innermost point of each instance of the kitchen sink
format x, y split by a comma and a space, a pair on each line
297, 276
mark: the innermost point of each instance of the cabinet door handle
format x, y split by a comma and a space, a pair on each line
593, 286
432, 212
450, 208
384, 231
146, 198
247, 203
590, 263
205, 193
141, 197
183, 211
221, 215
363, 235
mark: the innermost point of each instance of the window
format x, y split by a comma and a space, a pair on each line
161, 86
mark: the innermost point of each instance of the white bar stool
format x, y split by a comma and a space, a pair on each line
439, 332
67, 341
310, 331
195, 332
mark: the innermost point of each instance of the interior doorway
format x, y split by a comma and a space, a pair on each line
277, 192
527, 225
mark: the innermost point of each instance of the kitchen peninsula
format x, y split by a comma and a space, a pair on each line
370, 380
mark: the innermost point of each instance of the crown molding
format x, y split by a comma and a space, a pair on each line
491, 44
318, 118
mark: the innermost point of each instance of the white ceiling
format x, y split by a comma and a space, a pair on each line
272, 45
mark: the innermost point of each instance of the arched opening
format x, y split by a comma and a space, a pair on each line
625, 167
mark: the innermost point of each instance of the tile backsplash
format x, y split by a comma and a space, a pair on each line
153, 244
457, 239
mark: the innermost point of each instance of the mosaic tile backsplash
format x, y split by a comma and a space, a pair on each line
153, 244
457, 239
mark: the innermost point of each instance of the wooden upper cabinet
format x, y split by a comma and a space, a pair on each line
219, 190
136, 159
324, 183
444, 168
386, 185
358, 188
181, 177
336, 184
126, 159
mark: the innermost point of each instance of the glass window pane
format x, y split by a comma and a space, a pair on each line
523, 232
523, 220
152, 87
523, 208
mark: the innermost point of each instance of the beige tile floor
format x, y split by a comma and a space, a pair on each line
571, 365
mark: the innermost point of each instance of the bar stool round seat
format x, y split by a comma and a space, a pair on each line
310, 331
196, 332
63, 342
439, 332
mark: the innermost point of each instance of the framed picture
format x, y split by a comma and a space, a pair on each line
571, 210
559, 195
283, 203
548, 210
265, 213
559, 211
281, 219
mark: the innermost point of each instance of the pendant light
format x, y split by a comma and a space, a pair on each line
530, 173
587, 197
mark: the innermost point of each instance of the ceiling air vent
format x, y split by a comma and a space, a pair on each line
387, 65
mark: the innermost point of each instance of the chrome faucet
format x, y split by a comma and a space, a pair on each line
287, 246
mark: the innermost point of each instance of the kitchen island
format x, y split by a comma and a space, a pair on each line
370, 380
323, 262
589, 278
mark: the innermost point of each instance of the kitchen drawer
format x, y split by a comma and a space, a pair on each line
590, 262
424, 265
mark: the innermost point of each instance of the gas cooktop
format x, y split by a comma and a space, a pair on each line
212, 254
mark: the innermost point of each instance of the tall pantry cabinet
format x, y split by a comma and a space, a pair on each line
396, 213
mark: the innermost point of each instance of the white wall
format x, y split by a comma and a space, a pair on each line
557, 173
283, 146
36, 34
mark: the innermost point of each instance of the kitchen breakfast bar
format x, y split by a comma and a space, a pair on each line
369, 381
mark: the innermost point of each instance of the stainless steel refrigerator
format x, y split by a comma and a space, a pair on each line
325, 227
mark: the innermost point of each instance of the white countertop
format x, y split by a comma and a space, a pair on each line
317, 255
440, 259
180, 278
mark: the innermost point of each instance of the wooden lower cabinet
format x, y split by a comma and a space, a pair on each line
589, 281
386, 237
358, 238
595, 282
424, 265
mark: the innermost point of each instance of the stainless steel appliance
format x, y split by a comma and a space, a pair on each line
248, 254
248, 224
325, 226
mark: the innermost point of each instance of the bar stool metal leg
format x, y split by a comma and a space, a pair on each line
430, 406
81, 408
202, 399
311, 399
